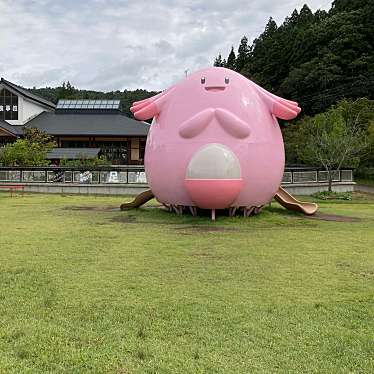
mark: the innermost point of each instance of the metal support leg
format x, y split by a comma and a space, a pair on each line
193, 211
166, 206
258, 209
232, 211
213, 214
249, 211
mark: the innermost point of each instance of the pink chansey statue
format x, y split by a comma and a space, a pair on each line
215, 143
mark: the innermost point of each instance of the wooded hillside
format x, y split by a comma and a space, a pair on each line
67, 91
313, 58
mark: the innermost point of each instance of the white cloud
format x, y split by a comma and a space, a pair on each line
125, 44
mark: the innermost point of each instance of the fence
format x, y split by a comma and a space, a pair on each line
308, 175
118, 175
136, 175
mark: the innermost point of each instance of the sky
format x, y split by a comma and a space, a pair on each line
124, 44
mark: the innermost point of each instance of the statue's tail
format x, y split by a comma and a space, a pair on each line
139, 200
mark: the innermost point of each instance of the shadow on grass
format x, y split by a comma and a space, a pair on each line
270, 217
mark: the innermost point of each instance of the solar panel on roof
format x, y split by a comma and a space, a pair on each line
88, 104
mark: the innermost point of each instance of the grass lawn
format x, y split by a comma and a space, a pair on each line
91, 290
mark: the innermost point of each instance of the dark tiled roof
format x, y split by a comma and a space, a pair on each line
89, 124
72, 153
13, 130
22, 91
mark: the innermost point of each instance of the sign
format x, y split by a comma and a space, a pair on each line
113, 177
85, 177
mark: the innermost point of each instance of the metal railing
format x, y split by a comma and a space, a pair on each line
136, 175
56, 174
315, 175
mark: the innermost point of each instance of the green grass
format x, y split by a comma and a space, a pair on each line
146, 291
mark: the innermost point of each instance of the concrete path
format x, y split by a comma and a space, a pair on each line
363, 188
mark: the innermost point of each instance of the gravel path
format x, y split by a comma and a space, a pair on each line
363, 188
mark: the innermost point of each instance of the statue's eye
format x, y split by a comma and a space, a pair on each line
227, 80
202, 80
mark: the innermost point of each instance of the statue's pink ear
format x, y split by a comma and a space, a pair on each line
281, 108
151, 107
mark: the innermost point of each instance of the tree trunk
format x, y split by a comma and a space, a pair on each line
330, 180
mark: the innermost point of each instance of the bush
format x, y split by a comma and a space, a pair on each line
23, 153
365, 173
330, 195
86, 162
30, 151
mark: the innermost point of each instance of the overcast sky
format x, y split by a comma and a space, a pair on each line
124, 44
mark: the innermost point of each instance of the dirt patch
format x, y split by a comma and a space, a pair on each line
333, 217
89, 208
124, 219
204, 255
191, 229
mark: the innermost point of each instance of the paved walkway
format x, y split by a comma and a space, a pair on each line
363, 188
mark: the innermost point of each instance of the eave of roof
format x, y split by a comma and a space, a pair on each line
72, 153
22, 91
10, 129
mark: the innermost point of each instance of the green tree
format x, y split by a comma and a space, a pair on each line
30, 151
243, 54
316, 59
38, 137
218, 62
231, 60
332, 140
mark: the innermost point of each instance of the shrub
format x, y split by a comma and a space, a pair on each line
86, 162
330, 195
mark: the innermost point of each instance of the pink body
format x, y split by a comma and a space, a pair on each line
215, 141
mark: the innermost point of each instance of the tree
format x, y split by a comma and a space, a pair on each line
332, 140
218, 61
270, 29
315, 59
66, 91
39, 137
243, 54
305, 15
30, 151
231, 60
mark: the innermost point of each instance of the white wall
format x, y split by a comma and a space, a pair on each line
27, 109
31, 109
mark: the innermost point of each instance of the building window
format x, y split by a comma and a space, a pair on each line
75, 144
8, 105
142, 149
114, 151
135, 145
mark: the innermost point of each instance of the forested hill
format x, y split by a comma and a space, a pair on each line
67, 91
315, 59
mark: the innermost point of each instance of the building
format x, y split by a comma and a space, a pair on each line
76, 125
